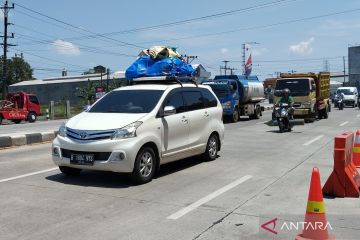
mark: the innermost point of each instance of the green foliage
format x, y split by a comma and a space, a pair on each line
87, 93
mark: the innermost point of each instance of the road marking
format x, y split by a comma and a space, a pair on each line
313, 140
344, 123
208, 198
27, 175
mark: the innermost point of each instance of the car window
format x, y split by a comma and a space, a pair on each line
176, 100
33, 99
208, 98
128, 101
193, 100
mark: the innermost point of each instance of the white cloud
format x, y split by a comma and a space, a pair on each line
66, 48
224, 50
303, 47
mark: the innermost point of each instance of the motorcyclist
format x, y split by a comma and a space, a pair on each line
287, 98
340, 96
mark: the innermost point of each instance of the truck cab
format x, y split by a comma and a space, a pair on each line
310, 92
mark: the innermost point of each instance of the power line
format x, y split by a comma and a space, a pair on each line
254, 28
79, 28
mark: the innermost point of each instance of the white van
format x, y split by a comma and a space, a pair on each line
137, 128
350, 95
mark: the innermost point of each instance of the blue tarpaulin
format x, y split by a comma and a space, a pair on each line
145, 66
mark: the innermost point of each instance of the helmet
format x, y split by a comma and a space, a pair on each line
286, 91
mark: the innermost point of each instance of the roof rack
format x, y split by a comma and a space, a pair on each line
164, 80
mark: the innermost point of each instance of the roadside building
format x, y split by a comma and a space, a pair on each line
354, 64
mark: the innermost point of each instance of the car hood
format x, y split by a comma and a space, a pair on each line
349, 97
102, 121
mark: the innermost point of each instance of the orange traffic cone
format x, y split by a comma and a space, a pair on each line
356, 149
316, 225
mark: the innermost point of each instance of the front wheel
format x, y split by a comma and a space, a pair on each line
69, 171
1, 118
212, 147
31, 117
144, 168
235, 116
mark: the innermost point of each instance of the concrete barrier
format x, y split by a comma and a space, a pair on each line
26, 139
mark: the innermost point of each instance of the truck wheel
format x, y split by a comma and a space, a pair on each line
325, 114
1, 118
235, 116
31, 117
257, 113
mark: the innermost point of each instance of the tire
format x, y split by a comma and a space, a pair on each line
326, 114
144, 167
212, 147
235, 116
257, 113
1, 118
69, 171
31, 117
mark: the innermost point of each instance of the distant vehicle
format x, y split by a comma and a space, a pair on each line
350, 96
239, 96
310, 91
20, 106
135, 129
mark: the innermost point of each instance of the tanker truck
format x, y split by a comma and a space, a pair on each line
239, 95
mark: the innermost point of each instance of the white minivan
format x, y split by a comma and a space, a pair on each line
350, 95
137, 128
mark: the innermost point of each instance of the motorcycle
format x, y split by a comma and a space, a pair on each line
282, 117
340, 103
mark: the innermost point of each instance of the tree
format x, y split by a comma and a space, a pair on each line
17, 70
96, 69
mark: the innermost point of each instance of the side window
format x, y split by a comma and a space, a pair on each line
33, 99
177, 101
209, 98
193, 100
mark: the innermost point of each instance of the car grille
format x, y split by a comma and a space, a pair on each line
98, 156
89, 135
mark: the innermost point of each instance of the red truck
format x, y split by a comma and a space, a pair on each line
20, 106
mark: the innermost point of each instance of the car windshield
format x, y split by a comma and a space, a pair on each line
220, 88
297, 87
128, 101
345, 91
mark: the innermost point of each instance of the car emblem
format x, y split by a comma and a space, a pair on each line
83, 135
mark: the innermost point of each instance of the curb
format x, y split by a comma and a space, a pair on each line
26, 139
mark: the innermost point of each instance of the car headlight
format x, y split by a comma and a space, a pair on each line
128, 131
62, 130
226, 105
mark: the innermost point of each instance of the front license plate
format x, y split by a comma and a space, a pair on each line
82, 159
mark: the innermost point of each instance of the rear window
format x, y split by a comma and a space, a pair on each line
193, 100
128, 101
208, 98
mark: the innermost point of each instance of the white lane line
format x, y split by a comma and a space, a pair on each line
344, 123
208, 198
27, 175
313, 140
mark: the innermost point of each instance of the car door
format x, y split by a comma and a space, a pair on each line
175, 127
197, 115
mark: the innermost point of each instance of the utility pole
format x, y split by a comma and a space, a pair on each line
326, 65
225, 67
5, 44
344, 68
190, 58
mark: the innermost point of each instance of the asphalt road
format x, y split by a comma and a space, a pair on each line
259, 175
9, 128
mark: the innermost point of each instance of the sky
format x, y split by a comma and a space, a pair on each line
290, 35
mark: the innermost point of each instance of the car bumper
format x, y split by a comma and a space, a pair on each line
119, 154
